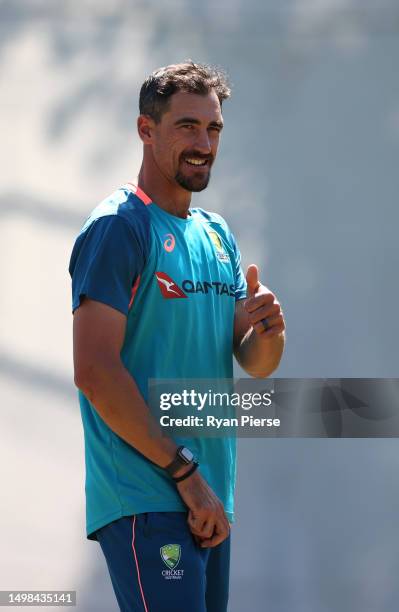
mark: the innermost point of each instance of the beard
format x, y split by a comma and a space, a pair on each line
192, 180
195, 182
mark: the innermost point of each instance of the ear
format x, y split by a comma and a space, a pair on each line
145, 126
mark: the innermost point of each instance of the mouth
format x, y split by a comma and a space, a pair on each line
196, 162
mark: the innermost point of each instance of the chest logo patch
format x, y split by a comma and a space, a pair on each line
168, 287
217, 243
169, 243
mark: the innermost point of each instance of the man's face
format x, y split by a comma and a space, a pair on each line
186, 140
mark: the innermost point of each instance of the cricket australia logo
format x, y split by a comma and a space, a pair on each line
217, 243
170, 555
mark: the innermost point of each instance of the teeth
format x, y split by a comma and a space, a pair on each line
196, 162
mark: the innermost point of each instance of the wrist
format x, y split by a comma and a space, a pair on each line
182, 459
182, 470
188, 473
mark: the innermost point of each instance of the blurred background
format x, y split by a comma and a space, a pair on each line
307, 177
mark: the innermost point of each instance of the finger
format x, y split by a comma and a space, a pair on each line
271, 330
252, 278
196, 524
263, 299
195, 530
201, 527
218, 537
267, 323
221, 531
277, 329
208, 529
265, 312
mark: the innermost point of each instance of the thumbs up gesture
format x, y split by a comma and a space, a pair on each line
263, 309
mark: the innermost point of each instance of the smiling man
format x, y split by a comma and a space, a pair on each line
158, 292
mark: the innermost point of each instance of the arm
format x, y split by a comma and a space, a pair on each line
258, 351
98, 333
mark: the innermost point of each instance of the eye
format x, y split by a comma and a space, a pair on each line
188, 126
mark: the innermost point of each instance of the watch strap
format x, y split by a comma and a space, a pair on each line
186, 474
174, 466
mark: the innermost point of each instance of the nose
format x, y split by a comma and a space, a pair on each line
202, 143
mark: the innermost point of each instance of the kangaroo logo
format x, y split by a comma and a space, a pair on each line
168, 287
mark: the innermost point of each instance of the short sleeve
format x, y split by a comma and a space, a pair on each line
106, 260
239, 278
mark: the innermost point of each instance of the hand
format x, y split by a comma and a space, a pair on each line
206, 517
262, 304
200, 540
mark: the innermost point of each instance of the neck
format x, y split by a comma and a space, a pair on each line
169, 196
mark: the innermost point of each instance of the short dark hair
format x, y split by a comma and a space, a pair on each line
187, 76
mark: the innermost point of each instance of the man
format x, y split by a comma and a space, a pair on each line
161, 510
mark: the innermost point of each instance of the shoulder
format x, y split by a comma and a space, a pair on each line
118, 227
122, 207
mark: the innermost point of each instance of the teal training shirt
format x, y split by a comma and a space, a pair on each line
177, 281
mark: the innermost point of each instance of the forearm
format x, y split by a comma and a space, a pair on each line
117, 399
258, 355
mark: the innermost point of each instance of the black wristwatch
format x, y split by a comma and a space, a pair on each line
183, 457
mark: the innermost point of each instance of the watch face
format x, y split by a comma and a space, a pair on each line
186, 455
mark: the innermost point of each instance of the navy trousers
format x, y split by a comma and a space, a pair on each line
156, 565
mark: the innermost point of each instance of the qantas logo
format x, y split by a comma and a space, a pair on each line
170, 289
219, 288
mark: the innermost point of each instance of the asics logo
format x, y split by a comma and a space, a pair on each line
169, 243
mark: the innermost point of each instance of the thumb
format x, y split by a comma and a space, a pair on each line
252, 280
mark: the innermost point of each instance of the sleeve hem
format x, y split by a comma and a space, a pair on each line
241, 295
99, 298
